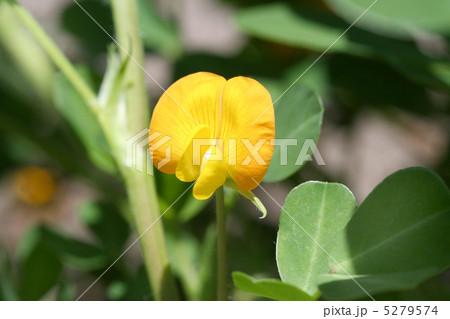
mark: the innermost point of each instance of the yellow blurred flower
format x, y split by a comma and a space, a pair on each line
34, 185
206, 128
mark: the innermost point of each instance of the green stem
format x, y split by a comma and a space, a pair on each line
141, 187
130, 45
55, 54
144, 202
222, 287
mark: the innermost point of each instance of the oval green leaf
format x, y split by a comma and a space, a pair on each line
401, 228
312, 224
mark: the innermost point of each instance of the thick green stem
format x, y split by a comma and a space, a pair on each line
144, 201
141, 187
222, 275
130, 46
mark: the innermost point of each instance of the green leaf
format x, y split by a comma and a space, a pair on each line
397, 17
321, 210
316, 78
191, 208
252, 250
73, 108
320, 32
279, 22
39, 272
40, 266
78, 254
158, 34
270, 288
338, 286
401, 228
208, 261
28, 243
7, 288
183, 250
107, 224
430, 72
135, 287
363, 82
132, 286
298, 119
67, 291
78, 23
435, 288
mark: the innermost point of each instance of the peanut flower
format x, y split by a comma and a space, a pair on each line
207, 129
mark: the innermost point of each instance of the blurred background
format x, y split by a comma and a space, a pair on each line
63, 213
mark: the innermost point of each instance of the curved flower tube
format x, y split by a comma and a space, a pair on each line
205, 128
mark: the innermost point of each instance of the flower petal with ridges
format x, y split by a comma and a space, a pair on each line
206, 106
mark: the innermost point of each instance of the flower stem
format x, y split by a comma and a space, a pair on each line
126, 23
141, 187
222, 289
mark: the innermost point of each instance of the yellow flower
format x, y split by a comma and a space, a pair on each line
206, 128
34, 185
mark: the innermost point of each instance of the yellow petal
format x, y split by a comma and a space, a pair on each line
188, 168
239, 112
213, 174
191, 101
248, 120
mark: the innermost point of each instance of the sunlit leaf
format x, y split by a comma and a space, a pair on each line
311, 226
377, 251
401, 228
270, 288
